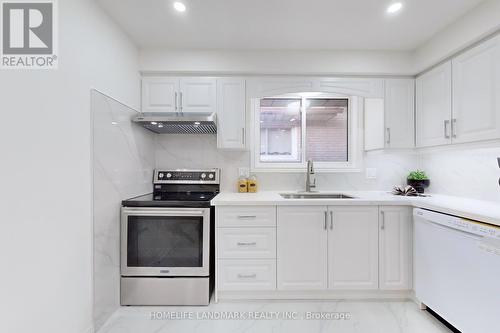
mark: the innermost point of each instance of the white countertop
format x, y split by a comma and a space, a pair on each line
483, 211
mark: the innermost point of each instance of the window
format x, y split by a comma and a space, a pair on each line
280, 130
291, 130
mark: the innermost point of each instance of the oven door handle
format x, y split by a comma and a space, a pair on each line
165, 212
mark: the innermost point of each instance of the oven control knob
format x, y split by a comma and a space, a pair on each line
169, 175
160, 175
203, 175
211, 176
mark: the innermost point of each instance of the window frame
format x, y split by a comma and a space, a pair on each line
354, 138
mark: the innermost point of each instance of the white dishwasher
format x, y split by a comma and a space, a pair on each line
457, 270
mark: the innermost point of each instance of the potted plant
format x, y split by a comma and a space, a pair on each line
418, 180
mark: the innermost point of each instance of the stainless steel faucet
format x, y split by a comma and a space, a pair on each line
310, 172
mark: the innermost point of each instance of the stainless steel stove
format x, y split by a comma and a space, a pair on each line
167, 240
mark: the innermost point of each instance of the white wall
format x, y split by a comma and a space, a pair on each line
277, 62
472, 27
123, 163
45, 243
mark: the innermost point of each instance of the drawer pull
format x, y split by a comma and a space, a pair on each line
247, 216
250, 276
246, 244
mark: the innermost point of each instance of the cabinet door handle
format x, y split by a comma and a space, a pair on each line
388, 140
446, 132
382, 226
326, 217
245, 276
181, 102
331, 220
176, 107
454, 128
247, 216
246, 243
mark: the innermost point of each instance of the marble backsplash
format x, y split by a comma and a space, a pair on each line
123, 161
463, 170
468, 171
200, 151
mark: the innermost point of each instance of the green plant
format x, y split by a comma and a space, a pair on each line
417, 175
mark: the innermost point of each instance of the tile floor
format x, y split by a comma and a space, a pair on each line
365, 317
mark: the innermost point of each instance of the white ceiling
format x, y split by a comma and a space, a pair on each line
284, 24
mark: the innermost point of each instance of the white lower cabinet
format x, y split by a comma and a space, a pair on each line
395, 264
320, 247
301, 247
247, 243
246, 248
246, 274
292, 249
353, 248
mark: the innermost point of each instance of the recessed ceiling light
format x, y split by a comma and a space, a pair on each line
394, 7
179, 6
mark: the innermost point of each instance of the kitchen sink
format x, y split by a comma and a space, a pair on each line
315, 196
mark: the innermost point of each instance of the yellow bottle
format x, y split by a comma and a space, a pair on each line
242, 185
252, 184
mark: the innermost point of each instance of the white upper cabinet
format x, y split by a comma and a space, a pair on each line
433, 101
353, 247
476, 93
390, 121
231, 103
399, 113
374, 124
302, 248
159, 94
169, 94
197, 95
395, 248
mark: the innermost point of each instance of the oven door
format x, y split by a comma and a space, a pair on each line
165, 241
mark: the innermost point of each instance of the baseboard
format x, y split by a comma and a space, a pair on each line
316, 295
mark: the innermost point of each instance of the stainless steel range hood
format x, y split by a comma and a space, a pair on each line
178, 123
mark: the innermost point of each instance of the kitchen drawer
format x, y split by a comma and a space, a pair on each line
251, 243
246, 216
246, 274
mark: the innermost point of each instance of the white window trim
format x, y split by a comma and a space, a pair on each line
355, 140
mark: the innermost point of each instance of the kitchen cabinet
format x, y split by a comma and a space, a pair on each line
374, 124
169, 94
399, 113
248, 274
231, 133
321, 247
197, 95
246, 248
301, 248
476, 93
395, 248
159, 94
353, 247
433, 101
390, 122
